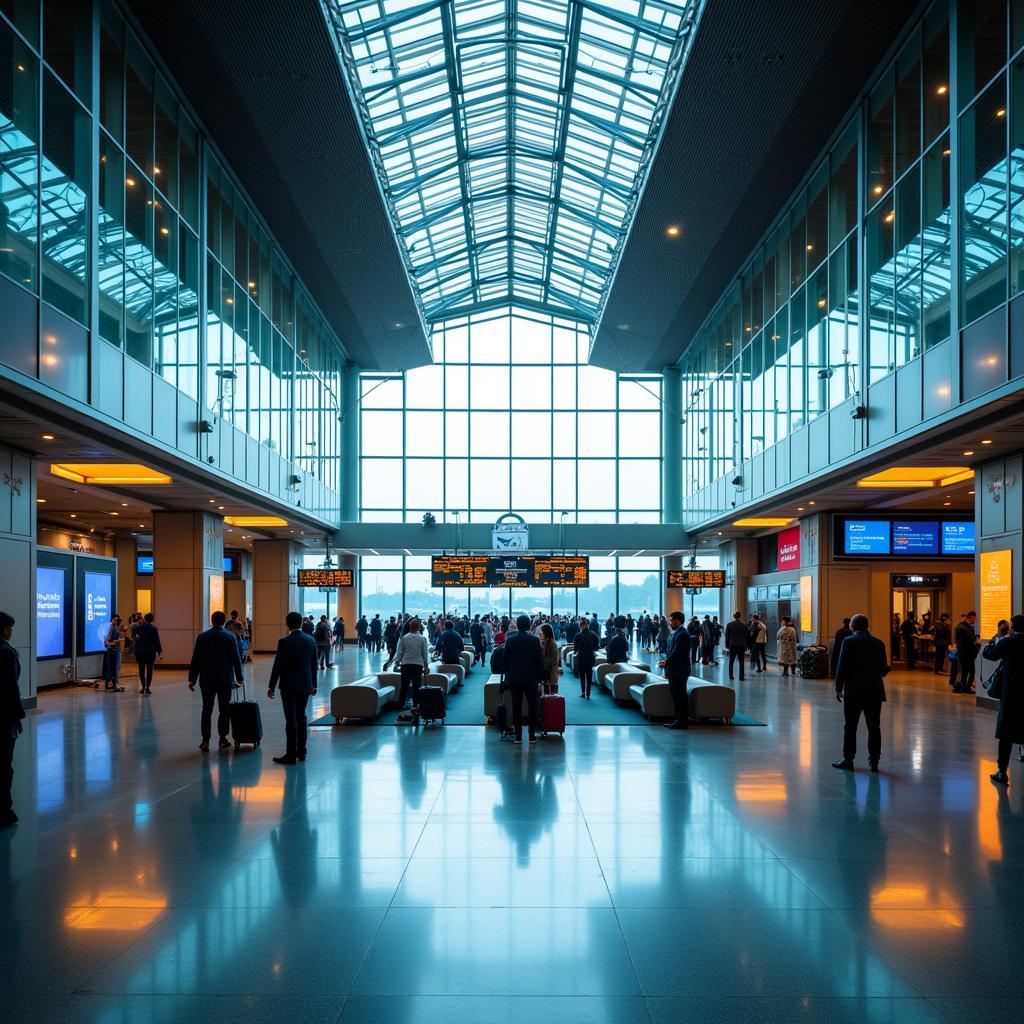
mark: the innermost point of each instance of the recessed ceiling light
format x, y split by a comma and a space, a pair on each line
142, 526
673, 231
763, 521
213, 501
40, 501
255, 521
108, 473
968, 453
947, 503
986, 442
812, 503
799, 508
220, 508
124, 504
74, 515
48, 437
114, 513
970, 492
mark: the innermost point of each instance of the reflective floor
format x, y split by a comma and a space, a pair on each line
626, 875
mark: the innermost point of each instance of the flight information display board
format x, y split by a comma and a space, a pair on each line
512, 571
696, 578
328, 578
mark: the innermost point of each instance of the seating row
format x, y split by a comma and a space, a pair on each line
368, 696
651, 692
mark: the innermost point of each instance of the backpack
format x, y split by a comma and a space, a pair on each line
497, 660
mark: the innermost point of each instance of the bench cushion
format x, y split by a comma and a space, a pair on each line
365, 697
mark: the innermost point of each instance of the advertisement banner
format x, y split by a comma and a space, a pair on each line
995, 583
806, 597
50, 593
98, 609
789, 548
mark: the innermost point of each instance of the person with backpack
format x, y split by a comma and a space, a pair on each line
322, 635
585, 647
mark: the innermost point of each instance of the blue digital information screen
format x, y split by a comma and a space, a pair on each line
51, 586
958, 539
144, 565
915, 537
866, 537
97, 597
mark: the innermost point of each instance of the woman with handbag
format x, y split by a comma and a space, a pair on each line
1007, 685
552, 666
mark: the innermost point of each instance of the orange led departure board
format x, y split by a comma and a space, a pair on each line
327, 578
511, 571
694, 578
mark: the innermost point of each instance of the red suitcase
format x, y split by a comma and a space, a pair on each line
552, 714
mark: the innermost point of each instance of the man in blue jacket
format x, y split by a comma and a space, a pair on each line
677, 670
618, 647
215, 664
449, 644
294, 671
862, 667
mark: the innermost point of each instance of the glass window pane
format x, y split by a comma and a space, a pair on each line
423, 434
489, 387
424, 388
381, 483
531, 341
67, 43
531, 387
488, 434
597, 484
531, 484
424, 483
489, 484
382, 433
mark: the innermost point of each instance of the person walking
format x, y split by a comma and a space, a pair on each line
376, 632
146, 647
1007, 685
966, 641
737, 640
11, 714
676, 666
476, 634
412, 656
362, 626
760, 635
859, 687
215, 665
294, 672
112, 640
549, 649
339, 634
942, 637
523, 667
708, 640
449, 644
909, 632
322, 638
307, 626
787, 638
585, 652
837, 644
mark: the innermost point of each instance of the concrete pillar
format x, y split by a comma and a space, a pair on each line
188, 578
125, 550
18, 560
274, 591
349, 445
671, 447
999, 525
348, 597
674, 599
238, 593
739, 560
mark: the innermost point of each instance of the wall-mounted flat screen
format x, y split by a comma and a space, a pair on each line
97, 590
230, 565
696, 578
866, 537
958, 539
51, 626
327, 578
144, 564
915, 537
512, 571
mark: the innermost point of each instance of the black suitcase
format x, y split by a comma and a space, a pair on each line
432, 705
501, 716
246, 721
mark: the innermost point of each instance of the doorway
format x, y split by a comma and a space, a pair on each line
925, 598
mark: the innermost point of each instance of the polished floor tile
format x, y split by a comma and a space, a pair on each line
627, 875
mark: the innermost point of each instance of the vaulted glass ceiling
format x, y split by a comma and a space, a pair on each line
512, 138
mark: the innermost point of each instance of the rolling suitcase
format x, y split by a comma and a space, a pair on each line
432, 706
501, 718
246, 721
552, 714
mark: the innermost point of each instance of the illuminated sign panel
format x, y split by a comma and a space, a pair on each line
328, 578
512, 571
789, 549
995, 582
684, 578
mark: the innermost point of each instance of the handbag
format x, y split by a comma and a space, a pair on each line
951, 654
994, 684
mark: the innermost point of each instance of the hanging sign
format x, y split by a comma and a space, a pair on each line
510, 533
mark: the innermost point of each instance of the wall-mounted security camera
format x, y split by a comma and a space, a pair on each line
859, 412
205, 427
737, 481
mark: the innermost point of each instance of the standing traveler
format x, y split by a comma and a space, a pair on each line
693, 632
11, 714
909, 633
339, 634
449, 644
708, 640
146, 646
1007, 685
894, 650
392, 631
552, 666
737, 640
859, 687
585, 647
362, 626
523, 667
837, 643
322, 638
412, 656
787, 638
760, 635
677, 670
112, 654
663, 633
294, 671
307, 626
476, 634
215, 665
942, 637
376, 631
967, 645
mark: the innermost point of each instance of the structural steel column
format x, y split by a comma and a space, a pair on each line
671, 447
349, 445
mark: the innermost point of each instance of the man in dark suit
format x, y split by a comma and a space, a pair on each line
11, 714
617, 650
859, 674
295, 672
449, 644
677, 670
215, 665
523, 667
837, 643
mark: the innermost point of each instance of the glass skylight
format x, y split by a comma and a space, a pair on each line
512, 138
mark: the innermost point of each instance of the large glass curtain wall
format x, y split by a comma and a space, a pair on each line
401, 583
855, 279
73, 91
510, 416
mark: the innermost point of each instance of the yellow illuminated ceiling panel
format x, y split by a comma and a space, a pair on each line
120, 473
255, 521
763, 521
917, 477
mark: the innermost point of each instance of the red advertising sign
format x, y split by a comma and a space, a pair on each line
789, 548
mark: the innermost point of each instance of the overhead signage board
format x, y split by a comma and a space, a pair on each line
889, 537
510, 533
331, 579
866, 537
696, 578
915, 537
511, 571
958, 539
